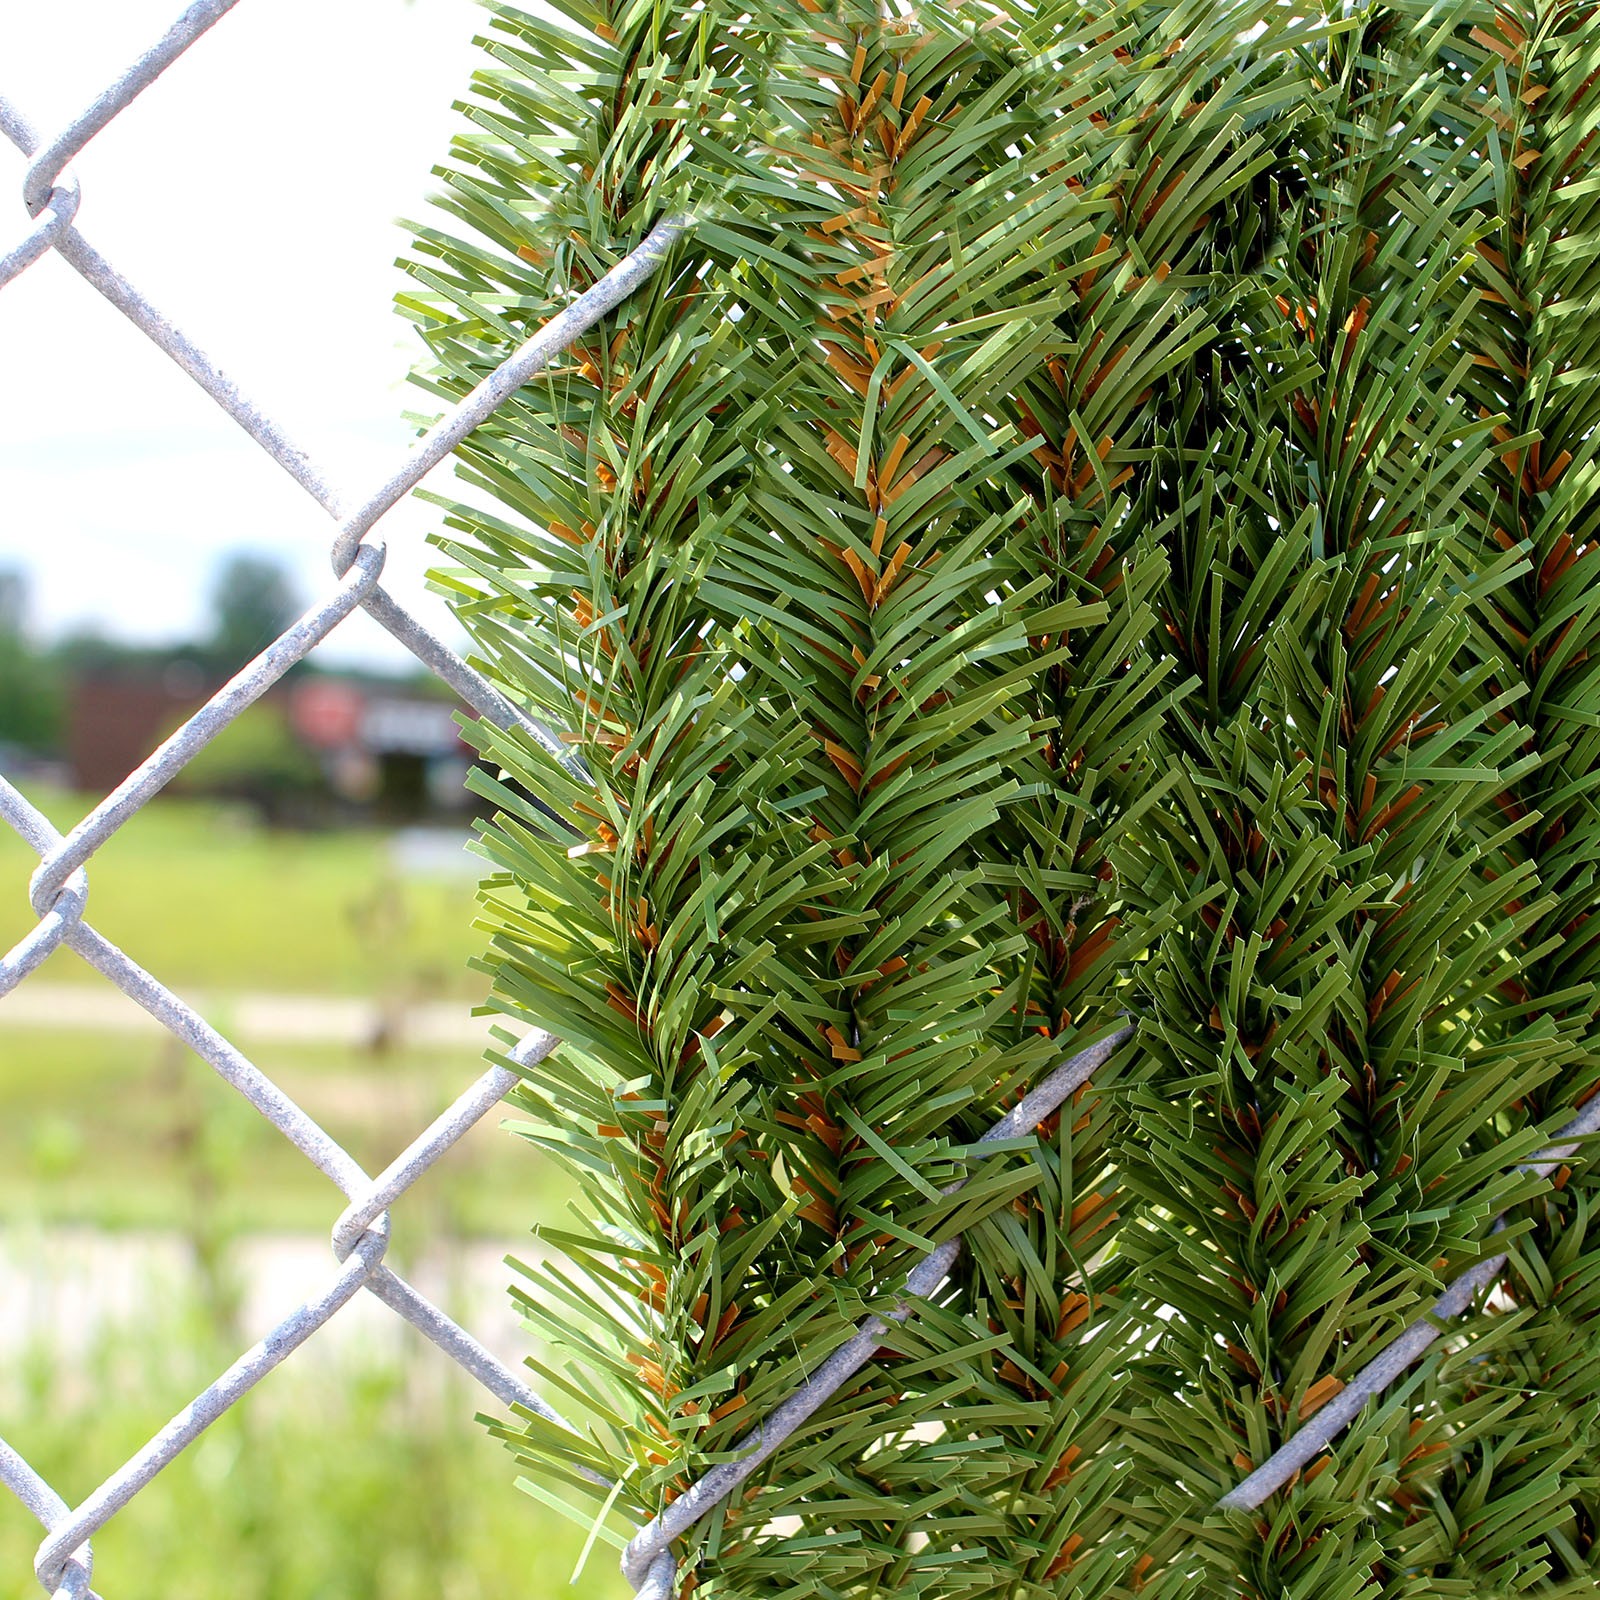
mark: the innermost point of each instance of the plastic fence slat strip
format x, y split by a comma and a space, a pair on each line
1331, 1419
524, 363
644, 1562
59, 892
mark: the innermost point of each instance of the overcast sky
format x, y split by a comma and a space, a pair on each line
252, 194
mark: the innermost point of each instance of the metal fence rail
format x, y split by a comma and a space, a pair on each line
59, 893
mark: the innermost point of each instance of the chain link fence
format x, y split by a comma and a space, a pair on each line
60, 887
59, 892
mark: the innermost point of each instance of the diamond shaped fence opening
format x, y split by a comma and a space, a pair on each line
59, 888
59, 893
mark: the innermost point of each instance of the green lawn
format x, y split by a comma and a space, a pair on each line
363, 1479
203, 896
328, 1484
338, 1484
126, 1130
134, 1131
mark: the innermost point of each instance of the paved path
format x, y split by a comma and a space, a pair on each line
64, 1287
268, 1018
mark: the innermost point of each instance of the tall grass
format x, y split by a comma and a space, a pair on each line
354, 1472
340, 1479
203, 895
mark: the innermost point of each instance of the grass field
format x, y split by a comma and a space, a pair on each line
345, 1481
202, 895
323, 1484
135, 1131
111, 1129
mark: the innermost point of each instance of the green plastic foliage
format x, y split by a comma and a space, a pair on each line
1094, 518
1522, 1497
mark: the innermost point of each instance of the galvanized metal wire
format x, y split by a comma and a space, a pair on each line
59, 889
59, 893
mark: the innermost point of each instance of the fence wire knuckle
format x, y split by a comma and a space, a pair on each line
59, 891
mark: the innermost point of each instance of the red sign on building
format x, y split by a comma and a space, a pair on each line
325, 713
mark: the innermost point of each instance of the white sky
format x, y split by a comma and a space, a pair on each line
252, 194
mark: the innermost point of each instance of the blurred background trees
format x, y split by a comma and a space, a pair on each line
324, 746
